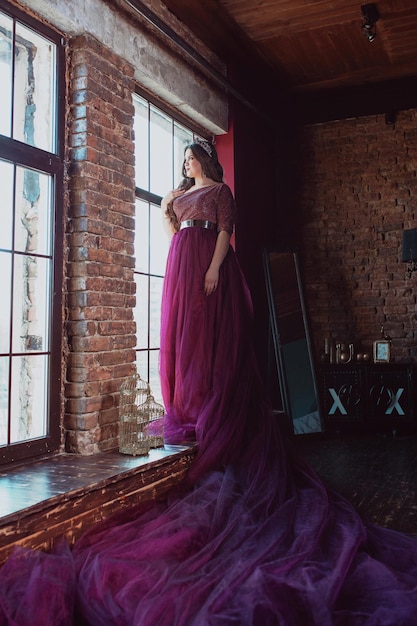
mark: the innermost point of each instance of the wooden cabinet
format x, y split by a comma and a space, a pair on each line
377, 397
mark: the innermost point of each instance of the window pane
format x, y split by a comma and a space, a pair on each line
154, 380
142, 364
155, 311
142, 237
4, 398
159, 243
141, 311
182, 137
5, 290
29, 121
160, 152
31, 299
6, 204
33, 212
6, 46
147, 365
28, 397
34, 89
141, 127
166, 139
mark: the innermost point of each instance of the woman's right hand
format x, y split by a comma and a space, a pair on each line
171, 195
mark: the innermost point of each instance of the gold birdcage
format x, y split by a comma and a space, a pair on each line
155, 427
133, 422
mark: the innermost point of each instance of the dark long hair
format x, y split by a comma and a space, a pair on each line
210, 166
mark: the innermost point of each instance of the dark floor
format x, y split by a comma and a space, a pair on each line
377, 473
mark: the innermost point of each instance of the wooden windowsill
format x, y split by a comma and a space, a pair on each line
66, 494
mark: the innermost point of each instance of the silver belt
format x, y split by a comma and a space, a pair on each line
198, 224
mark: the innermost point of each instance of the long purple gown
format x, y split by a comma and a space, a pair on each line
253, 537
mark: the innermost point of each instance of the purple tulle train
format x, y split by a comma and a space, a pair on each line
252, 537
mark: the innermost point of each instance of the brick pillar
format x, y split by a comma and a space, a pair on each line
100, 245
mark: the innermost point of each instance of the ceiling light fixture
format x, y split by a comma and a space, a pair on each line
370, 17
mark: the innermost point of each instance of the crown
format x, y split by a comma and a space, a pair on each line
206, 145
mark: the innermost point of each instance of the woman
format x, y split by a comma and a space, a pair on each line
208, 369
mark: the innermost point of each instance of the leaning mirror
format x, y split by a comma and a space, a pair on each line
291, 341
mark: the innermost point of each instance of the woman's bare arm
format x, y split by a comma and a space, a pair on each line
211, 278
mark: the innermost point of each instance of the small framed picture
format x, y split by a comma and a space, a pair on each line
382, 351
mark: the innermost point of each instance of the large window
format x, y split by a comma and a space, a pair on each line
159, 150
30, 181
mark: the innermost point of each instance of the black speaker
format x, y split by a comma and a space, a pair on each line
409, 247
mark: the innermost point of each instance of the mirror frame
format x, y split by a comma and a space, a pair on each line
311, 422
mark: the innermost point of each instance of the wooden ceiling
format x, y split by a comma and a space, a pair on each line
308, 45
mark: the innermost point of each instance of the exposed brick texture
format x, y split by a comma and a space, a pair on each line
100, 245
359, 191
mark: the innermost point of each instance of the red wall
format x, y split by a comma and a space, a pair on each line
225, 151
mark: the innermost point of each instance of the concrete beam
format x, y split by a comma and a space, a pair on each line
158, 68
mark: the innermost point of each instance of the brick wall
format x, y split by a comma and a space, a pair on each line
359, 191
99, 245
